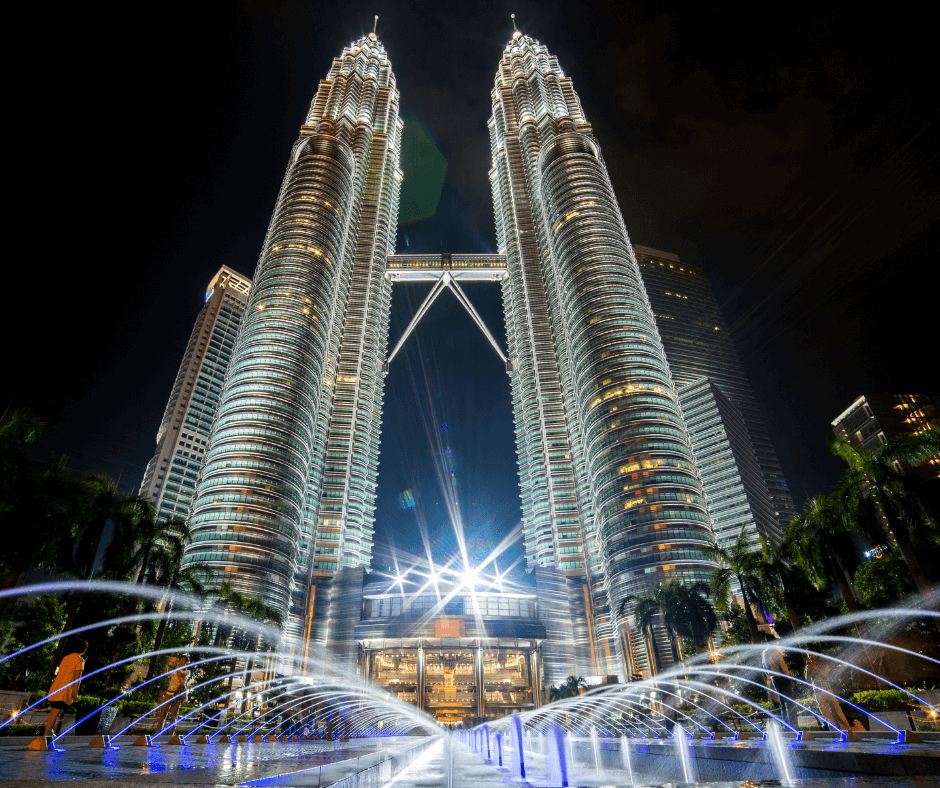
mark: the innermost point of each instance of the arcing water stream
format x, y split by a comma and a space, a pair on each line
705, 719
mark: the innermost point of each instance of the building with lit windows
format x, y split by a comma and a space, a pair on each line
170, 479
610, 494
698, 344
463, 649
611, 502
874, 419
731, 476
286, 494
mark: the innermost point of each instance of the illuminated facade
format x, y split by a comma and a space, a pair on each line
609, 491
170, 479
461, 653
874, 419
287, 489
731, 475
698, 344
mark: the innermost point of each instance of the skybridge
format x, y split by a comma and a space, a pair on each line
446, 270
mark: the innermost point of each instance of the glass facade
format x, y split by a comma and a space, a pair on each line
731, 476
170, 479
287, 489
604, 457
698, 344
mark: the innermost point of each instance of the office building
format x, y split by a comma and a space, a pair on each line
170, 479
609, 490
287, 490
734, 487
874, 419
698, 344
611, 502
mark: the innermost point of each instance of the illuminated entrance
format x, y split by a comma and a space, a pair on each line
457, 684
462, 656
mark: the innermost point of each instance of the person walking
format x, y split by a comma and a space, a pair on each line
175, 693
817, 673
783, 685
63, 692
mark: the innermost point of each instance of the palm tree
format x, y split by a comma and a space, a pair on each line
780, 579
569, 688
645, 611
156, 543
35, 498
101, 505
685, 610
175, 577
821, 546
737, 563
245, 639
888, 503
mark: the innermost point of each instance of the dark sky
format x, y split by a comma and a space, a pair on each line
794, 157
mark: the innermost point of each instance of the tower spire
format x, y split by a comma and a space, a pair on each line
375, 24
515, 30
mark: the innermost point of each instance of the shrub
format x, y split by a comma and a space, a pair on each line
85, 705
882, 700
23, 730
134, 708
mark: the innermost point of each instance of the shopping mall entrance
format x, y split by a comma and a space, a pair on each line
460, 685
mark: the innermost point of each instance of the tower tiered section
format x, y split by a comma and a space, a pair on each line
609, 489
287, 491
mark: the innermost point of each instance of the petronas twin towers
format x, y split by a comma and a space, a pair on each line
610, 495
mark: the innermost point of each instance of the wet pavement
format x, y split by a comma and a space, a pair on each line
470, 771
321, 763
196, 764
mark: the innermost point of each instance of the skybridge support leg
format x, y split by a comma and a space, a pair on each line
448, 281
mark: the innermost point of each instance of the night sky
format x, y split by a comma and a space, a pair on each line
793, 157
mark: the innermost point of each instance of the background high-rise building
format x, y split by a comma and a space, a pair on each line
698, 344
287, 490
170, 479
609, 489
874, 419
731, 476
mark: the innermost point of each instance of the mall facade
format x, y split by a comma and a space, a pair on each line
461, 653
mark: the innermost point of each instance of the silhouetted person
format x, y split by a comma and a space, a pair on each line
817, 673
784, 686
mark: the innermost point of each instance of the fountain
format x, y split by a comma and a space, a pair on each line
704, 719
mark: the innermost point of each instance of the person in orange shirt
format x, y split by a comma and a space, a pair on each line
175, 693
61, 696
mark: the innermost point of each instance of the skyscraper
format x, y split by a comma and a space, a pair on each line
287, 490
609, 489
610, 496
731, 476
170, 479
698, 344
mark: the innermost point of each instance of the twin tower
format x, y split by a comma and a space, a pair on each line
610, 495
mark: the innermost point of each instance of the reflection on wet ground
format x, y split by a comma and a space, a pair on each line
197, 764
469, 771
294, 764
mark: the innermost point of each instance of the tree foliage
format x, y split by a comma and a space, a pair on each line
569, 688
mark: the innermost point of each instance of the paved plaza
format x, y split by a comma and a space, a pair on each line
393, 762
197, 764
